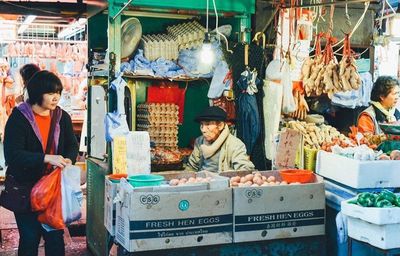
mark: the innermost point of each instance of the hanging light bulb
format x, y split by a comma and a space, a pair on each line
206, 53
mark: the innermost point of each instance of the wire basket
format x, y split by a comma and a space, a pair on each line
310, 158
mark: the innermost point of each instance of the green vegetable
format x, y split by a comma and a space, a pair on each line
397, 202
383, 203
366, 199
388, 195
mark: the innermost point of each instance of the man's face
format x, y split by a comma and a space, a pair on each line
211, 130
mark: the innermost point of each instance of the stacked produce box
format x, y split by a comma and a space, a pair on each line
374, 218
196, 209
266, 207
161, 121
174, 216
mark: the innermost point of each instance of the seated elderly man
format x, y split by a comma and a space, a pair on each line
217, 150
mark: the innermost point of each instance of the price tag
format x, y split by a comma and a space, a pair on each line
289, 142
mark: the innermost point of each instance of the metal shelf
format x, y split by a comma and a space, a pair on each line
177, 79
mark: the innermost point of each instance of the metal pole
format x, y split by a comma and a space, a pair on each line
322, 4
122, 9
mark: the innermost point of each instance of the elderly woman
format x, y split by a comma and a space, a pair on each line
38, 136
217, 150
384, 96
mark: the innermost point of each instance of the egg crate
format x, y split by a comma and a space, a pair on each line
146, 114
158, 121
188, 35
160, 46
158, 106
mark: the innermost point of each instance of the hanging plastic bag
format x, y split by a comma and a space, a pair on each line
71, 194
116, 125
48, 190
288, 105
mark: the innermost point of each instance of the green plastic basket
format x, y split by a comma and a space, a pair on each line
310, 158
145, 180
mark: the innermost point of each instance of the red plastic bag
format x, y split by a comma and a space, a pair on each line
46, 198
43, 191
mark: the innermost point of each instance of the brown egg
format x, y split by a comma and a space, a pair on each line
234, 184
243, 180
181, 182
191, 180
236, 179
259, 182
173, 182
249, 183
249, 177
254, 185
263, 178
284, 183
271, 179
200, 179
256, 179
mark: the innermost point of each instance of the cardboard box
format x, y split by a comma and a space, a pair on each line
276, 212
164, 217
356, 173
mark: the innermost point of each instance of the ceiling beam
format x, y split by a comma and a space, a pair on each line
44, 8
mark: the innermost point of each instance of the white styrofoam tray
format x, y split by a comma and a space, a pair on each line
380, 236
375, 215
357, 173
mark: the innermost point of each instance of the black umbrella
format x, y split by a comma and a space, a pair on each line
248, 119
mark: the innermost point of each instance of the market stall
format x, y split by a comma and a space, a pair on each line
159, 100
153, 85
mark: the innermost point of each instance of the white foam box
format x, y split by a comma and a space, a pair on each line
165, 217
356, 173
110, 192
380, 236
375, 215
275, 212
379, 227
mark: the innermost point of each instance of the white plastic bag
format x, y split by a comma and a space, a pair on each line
71, 194
116, 125
272, 104
288, 105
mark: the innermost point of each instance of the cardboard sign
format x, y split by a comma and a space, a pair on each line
138, 154
288, 145
119, 154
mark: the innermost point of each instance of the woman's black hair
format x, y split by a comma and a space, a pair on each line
382, 87
42, 82
27, 71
